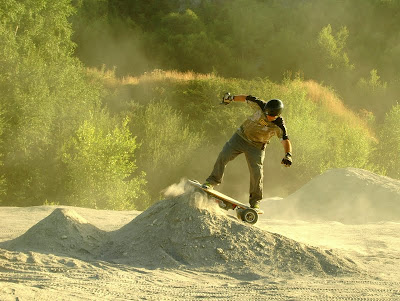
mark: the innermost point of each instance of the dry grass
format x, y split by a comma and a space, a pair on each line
110, 79
161, 75
107, 77
333, 104
315, 91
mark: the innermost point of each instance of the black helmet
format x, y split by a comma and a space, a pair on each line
273, 107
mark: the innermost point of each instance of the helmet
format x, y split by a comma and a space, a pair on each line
273, 107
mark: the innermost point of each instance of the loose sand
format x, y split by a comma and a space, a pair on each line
186, 248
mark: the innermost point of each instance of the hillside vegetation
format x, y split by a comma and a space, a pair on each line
181, 126
87, 137
351, 45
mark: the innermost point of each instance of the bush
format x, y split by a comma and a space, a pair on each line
388, 150
46, 99
324, 133
99, 164
166, 143
2, 179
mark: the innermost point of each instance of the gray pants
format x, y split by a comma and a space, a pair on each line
255, 158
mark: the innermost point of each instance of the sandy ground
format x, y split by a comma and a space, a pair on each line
371, 250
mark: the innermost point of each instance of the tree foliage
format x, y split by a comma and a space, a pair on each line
64, 132
337, 43
167, 143
2, 179
333, 48
46, 96
388, 152
98, 164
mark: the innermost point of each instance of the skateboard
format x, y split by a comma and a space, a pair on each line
243, 212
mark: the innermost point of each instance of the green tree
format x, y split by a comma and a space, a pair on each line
35, 48
388, 151
167, 143
333, 48
47, 96
372, 91
184, 44
2, 179
373, 84
99, 165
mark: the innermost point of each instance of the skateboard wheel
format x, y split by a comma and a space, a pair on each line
248, 215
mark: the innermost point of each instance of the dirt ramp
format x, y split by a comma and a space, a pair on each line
63, 232
348, 195
191, 231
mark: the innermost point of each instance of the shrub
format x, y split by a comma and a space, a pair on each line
166, 141
324, 133
99, 164
2, 179
388, 150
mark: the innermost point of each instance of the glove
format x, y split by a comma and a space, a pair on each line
250, 98
227, 98
287, 160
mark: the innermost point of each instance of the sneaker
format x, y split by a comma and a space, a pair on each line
255, 204
207, 185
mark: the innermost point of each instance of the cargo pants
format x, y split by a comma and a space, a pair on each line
255, 158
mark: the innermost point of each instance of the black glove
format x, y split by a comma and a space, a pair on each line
287, 160
250, 98
227, 98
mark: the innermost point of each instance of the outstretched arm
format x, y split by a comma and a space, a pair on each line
240, 98
228, 98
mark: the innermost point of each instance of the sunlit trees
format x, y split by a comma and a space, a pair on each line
36, 47
98, 165
184, 43
388, 152
45, 96
2, 179
167, 143
373, 93
333, 48
337, 43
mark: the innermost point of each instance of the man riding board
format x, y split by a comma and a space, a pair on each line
250, 139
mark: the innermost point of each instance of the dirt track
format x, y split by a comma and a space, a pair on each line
367, 254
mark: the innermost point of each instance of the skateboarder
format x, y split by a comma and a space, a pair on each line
250, 139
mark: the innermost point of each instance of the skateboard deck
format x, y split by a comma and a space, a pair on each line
244, 212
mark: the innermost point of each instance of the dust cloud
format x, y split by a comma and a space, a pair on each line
348, 195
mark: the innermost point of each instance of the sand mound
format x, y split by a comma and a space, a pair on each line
185, 230
347, 195
191, 231
63, 232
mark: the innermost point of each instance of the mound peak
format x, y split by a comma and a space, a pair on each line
63, 232
190, 230
347, 195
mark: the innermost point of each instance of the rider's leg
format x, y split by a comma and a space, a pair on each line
233, 148
255, 159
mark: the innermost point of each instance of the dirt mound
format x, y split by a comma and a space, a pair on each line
191, 231
347, 195
185, 230
63, 232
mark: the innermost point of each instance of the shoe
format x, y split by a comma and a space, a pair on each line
255, 204
207, 185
